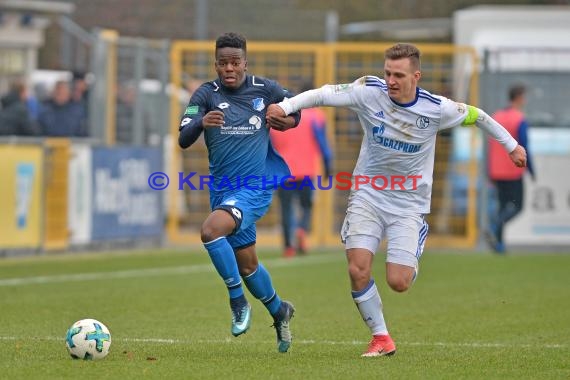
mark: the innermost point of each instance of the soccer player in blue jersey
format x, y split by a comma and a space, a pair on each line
400, 122
231, 112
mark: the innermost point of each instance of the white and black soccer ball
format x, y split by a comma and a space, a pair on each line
88, 339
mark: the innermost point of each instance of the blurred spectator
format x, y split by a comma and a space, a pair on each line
301, 147
34, 105
125, 113
14, 116
126, 99
60, 116
508, 179
190, 84
80, 91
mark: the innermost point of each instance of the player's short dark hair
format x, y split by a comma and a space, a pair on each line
516, 91
400, 51
231, 40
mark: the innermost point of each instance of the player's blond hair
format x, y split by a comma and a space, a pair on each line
401, 51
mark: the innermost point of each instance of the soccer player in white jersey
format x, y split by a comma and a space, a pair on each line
400, 122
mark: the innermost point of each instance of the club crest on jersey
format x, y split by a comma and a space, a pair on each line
258, 104
422, 122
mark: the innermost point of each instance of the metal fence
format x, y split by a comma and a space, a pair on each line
128, 97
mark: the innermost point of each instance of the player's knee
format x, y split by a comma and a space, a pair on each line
208, 233
247, 269
219, 223
358, 274
247, 261
399, 283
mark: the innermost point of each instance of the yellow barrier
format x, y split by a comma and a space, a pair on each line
21, 203
56, 234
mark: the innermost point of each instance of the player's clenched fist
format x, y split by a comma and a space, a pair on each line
276, 118
213, 119
518, 156
274, 110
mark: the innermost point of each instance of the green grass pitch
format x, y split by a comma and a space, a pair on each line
469, 316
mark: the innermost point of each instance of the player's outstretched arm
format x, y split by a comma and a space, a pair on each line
482, 120
339, 95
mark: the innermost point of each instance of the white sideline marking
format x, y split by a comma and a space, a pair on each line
134, 273
309, 342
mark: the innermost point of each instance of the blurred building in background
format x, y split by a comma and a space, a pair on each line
23, 26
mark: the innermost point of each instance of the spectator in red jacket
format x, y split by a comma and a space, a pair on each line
302, 148
508, 179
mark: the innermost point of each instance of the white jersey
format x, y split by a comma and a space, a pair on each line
398, 147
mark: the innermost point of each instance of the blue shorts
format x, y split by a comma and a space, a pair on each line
247, 205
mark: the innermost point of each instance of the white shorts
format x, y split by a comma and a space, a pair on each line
365, 226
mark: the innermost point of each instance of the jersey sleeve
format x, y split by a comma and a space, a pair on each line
190, 126
350, 95
278, 94
453, 113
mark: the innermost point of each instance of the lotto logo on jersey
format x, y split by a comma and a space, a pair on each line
236, 212
185, 121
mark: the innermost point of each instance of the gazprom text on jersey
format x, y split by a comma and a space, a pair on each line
398, 145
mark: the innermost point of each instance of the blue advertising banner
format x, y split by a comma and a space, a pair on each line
124, 206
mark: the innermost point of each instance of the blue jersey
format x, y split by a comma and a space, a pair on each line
240, 152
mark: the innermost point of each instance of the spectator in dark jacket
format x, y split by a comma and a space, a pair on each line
61, 117
14, 116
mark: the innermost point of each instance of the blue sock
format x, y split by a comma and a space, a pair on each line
259, 284
222, 256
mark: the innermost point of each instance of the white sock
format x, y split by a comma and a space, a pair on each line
369, 305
